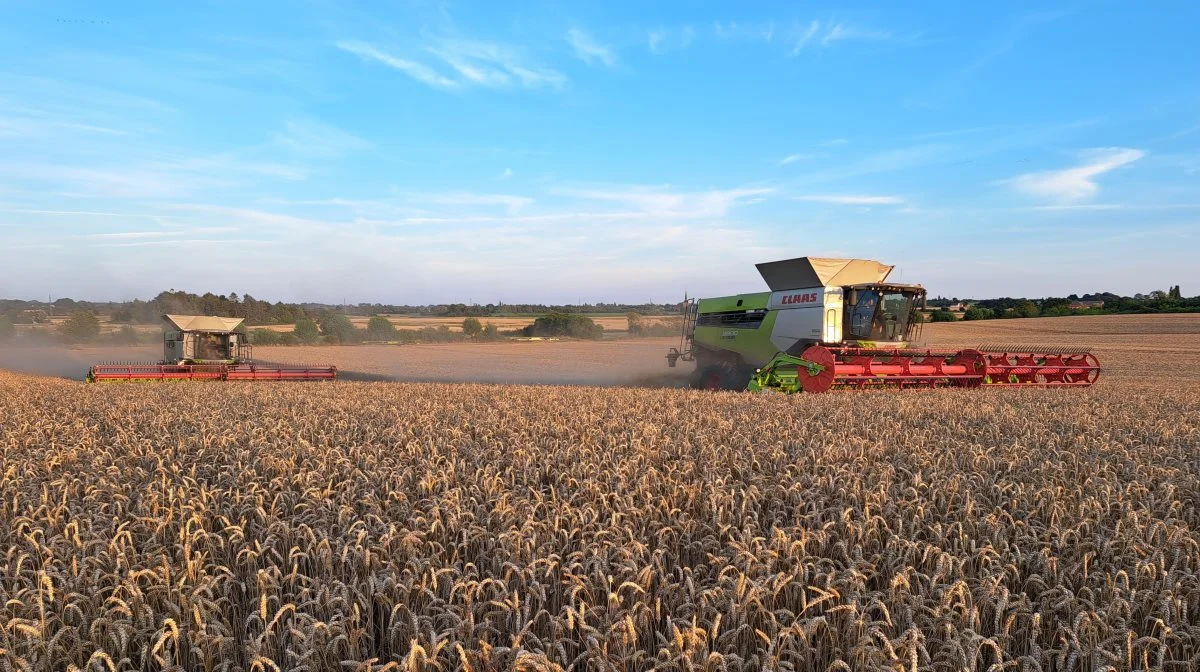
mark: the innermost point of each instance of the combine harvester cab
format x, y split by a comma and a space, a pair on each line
838, 323
205, 348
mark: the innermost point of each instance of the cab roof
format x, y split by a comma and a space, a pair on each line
805, 272
206, 323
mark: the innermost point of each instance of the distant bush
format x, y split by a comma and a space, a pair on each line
490, 332
978, 314
265, 337
290, 338
80, 327
564, 324
917, 317
306, 331
380, 328
337, 328
942, 316
472, 327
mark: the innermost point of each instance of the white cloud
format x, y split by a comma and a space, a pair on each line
494, 65
472, 62
656, 37
850, 199
806, 36
1077, 183
418, 71
508, 201
842, 31
802, 156
508, 172
589, 50
662, 40
313, 138
662, 203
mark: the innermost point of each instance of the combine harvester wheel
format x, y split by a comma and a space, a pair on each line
821, 368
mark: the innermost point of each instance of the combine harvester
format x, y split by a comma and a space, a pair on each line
199, 347
838, 323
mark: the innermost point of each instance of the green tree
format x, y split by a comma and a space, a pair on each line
490, 332
942, 315
917, 317
306, 331
265, 337
337, 328
472, 327
380, 328
1026, 308
6, 328
81, 326
564, 324
978, 314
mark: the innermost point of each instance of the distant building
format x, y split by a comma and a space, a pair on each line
958, 307
1084, 305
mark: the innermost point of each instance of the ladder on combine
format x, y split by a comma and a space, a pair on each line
689, 311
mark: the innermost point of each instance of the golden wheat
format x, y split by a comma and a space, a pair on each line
363, 526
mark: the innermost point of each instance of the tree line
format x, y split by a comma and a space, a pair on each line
1159, 301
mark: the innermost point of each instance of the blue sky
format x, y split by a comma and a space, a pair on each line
430, 152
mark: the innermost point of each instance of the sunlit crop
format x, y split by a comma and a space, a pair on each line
380, 526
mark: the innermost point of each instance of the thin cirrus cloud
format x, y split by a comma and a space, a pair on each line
662, 40
802, 156
1076, 183
464, 63
850, 199
807, 34
588, 50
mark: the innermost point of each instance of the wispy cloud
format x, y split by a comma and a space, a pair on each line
314, 138
418, 71
1077, 183
469, 63
850, 199
802, 156
589, 50
495, 65
814, 33
660, 201
662, 40
510, 202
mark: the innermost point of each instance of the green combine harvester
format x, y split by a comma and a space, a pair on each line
838, 323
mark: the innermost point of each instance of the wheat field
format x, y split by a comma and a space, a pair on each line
433, 526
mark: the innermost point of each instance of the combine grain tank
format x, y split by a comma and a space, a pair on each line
202, 347
838, 323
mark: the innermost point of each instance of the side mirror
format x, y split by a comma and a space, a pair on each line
852, 297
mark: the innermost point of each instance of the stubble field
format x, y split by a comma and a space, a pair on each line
392, 525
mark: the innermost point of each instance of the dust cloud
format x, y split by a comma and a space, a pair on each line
67, 361
623, 363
